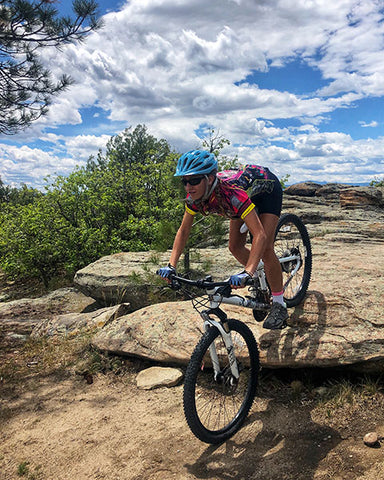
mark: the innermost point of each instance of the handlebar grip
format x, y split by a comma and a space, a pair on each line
174, 284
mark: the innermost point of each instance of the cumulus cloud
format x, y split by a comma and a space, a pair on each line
31, 165
178, 65
373, 124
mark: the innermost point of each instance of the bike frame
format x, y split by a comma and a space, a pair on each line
216, 298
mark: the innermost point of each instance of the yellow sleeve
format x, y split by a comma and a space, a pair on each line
187, 209
248, 210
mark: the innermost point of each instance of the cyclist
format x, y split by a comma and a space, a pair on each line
225, 193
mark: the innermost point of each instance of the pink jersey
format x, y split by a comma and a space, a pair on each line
230, 198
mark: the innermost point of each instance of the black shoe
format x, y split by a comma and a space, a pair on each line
277, 317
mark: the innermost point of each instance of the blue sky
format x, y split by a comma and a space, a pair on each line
295, 85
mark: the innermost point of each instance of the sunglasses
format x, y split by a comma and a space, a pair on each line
191, 181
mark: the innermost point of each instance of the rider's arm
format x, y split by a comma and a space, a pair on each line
181, 238
258, 243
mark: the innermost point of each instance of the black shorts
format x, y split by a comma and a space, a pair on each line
270, 200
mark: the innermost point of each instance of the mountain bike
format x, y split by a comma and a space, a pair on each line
222, 374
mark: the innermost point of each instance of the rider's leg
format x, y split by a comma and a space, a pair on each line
237, 241
272, 265
278, 314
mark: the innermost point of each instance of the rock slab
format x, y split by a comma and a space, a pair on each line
75, 323
156, 377
118, 278
323, 332
28, 312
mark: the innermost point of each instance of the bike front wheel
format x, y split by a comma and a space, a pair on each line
216, 405
292, 240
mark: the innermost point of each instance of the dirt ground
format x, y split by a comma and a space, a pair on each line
56, 423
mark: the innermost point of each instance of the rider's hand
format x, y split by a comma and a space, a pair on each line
166, 272
238, 280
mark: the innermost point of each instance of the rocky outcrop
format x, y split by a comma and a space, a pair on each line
323, 214
71, 324
323, 332
123, 277
130, 276
28, 312
304, 189
340, 323
358, 197
347, 196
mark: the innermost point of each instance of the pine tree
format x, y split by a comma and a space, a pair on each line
27, 26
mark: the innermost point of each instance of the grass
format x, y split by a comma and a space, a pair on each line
24, 470
62, 358
41, 356
326, 389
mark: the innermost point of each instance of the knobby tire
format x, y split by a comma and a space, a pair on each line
291, 234
214, 411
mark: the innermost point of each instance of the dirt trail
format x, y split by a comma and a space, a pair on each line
65, 429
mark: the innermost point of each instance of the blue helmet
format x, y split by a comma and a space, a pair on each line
196, 162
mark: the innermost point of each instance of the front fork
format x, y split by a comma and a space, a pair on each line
225, 333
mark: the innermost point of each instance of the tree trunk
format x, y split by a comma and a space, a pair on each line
187, 264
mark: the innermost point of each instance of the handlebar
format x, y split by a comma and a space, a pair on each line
206, 283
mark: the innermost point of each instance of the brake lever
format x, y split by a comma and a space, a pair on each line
174, 284
225, 291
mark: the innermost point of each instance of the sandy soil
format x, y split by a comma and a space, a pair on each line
56, 425
61, 427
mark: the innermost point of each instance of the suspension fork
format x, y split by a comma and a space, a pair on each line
226, 335
261, 276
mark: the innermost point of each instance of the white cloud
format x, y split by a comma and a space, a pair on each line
373, 124
158, 59
83, 146
31, 165
178, 65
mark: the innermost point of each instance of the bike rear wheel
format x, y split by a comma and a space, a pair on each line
292, 239
215, 408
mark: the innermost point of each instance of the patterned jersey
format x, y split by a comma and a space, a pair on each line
230, 197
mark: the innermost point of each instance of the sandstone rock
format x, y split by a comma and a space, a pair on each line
347, 237
356, 197
166, 333
330, 190
371, 439
74, 323
27, 312
304, 189
156, 377
130, 277
118, 278
324, 332
375, 230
